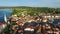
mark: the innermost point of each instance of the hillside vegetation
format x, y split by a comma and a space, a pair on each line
32, 10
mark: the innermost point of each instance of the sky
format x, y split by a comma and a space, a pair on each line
33, 3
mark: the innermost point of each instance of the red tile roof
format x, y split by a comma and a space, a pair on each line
1, 23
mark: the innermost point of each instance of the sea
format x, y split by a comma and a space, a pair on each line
7, 12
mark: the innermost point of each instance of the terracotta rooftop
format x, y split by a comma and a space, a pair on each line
1, 23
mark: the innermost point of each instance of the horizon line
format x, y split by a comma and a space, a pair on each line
30, 6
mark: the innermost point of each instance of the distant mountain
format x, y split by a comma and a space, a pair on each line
22, 7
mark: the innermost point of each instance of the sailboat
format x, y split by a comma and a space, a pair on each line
5, 18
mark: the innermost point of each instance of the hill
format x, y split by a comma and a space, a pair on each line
32, 10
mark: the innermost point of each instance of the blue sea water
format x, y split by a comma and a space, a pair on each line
56, 21
4, 11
